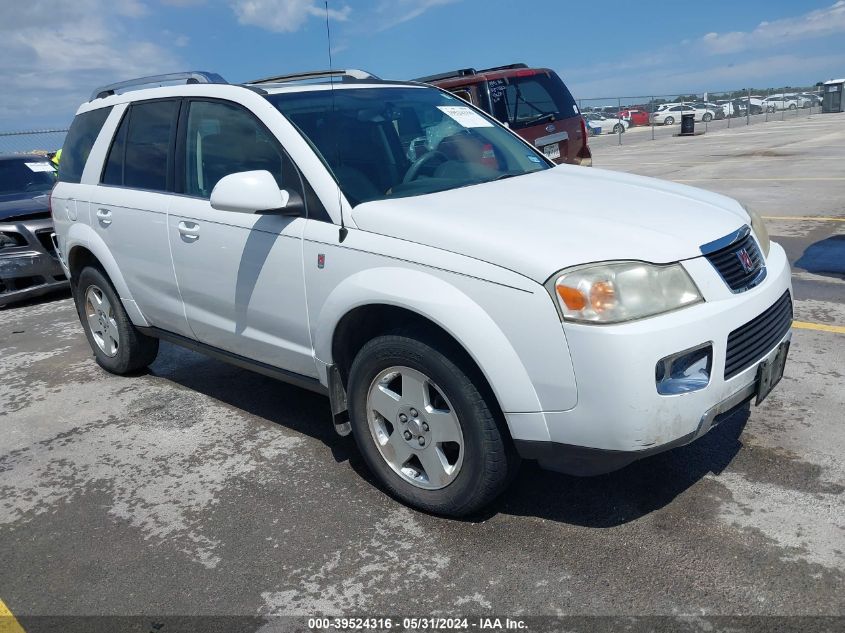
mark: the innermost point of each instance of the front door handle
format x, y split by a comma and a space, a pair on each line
189, 230
104, 216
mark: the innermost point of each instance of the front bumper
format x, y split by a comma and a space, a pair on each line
620, 416
31, 269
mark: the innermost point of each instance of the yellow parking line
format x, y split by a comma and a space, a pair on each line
8, 623
802, 217
821, 327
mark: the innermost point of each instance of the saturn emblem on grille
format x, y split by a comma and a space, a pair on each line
745, 260
550, 127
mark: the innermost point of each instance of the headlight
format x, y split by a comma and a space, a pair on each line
622, 291
759, 228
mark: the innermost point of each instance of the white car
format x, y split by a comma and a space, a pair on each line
774, 103
671, 113
607, 124
462, 308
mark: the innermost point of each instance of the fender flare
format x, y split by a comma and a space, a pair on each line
444, 305
81, 235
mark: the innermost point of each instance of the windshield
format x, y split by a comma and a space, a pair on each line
530, 99
404, 141
26, 175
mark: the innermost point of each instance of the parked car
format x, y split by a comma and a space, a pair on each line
714, 109
670, 113
28, 265
733, 107
773, 103
635, 116
533, 102
611, 125
812, 100
460, 310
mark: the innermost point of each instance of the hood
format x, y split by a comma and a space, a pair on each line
539, 223
17, 205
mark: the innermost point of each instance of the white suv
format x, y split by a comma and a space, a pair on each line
461, 300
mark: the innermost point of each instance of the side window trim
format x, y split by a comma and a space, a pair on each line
117, 131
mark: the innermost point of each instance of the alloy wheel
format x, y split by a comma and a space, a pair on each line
415, 427
100, 317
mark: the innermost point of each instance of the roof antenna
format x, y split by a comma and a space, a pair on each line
343, 230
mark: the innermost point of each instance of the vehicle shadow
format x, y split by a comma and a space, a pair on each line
603, 501
254, 394
825, 257
625, 495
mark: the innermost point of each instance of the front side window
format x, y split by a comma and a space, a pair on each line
222, 139
79, 141
147, 151
391, 142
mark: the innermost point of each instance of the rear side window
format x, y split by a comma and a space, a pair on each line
148, 139
78, 143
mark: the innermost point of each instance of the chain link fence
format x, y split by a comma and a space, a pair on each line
654, 117
31, 141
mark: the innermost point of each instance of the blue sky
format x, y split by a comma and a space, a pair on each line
53, 52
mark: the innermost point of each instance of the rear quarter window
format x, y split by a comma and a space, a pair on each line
78, 143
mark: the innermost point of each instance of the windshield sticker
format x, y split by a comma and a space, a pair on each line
467, 117
40, 166
532, 158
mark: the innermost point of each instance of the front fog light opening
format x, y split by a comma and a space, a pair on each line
685, 371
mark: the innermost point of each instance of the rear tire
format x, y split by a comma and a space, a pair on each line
707, 118
455, 455
619, 129
118, 346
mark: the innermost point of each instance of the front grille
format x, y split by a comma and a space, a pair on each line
729, 265
46, 241
751, 342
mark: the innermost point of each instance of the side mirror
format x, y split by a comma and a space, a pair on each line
254, 192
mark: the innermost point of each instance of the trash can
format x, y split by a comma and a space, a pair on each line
688, 125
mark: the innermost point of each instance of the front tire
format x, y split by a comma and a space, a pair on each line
668, 121
426, 426
118, 346
707, 118
619, 129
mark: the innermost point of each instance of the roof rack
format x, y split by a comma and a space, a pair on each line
348, 74
467, 72
191, 77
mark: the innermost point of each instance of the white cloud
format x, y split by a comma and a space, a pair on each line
52, 55
395, 12
815, 24
284, 16
769, 54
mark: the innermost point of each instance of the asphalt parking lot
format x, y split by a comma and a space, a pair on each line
202, 489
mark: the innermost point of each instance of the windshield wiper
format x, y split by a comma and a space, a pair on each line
550, 116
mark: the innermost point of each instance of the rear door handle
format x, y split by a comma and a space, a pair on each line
104, 216
189, 230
